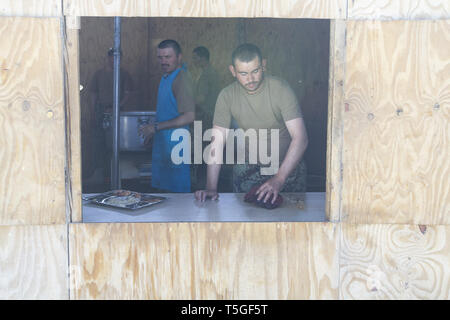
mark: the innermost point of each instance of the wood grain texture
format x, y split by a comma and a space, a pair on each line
323, 9
33, 8
326, 9
73, 126
204, 261
398, 9
395, 262
396, 123
31, 122
335, 120
33, 262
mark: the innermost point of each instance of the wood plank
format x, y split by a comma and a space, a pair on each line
33, 262
335, 120
73, 127
398, 9
31, 122
31, 8
396, 145
204, 261
325, 9
395, 262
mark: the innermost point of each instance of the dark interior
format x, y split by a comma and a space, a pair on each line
296, 50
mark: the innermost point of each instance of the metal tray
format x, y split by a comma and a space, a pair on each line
125, 199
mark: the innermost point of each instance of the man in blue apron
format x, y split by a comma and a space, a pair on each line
175, 109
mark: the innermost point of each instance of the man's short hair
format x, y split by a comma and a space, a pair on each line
246, 52
170, 44
202, 52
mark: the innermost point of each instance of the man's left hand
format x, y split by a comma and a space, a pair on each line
147, 131
271, 188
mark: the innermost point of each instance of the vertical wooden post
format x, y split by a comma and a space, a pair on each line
73, 129
335, 110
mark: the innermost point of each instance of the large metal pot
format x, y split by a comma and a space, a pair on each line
128, 131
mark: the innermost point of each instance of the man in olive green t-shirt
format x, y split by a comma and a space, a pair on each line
258, 102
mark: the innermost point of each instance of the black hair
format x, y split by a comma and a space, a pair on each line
170, 44
246, 52
202, 52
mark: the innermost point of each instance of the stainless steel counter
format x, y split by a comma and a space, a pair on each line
182, 207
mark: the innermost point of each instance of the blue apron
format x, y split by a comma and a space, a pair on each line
165, 174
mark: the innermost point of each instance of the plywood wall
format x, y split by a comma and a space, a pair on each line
396, 134
398, 9
259, 261
393, 76
204, 261
394, 262
32, 186
33, 262
325, 9
31, 8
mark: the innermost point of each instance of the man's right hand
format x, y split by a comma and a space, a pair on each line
202, 195
146, 131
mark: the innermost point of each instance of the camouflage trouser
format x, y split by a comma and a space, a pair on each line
245, 176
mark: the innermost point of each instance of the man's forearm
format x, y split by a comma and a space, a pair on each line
293, 156
215, 157
180, 121
213, 171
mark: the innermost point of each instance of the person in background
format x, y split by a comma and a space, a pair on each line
207, 88
257, 101
175, 108
101, 99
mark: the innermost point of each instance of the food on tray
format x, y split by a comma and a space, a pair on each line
122, 201
125, 199
122, 193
